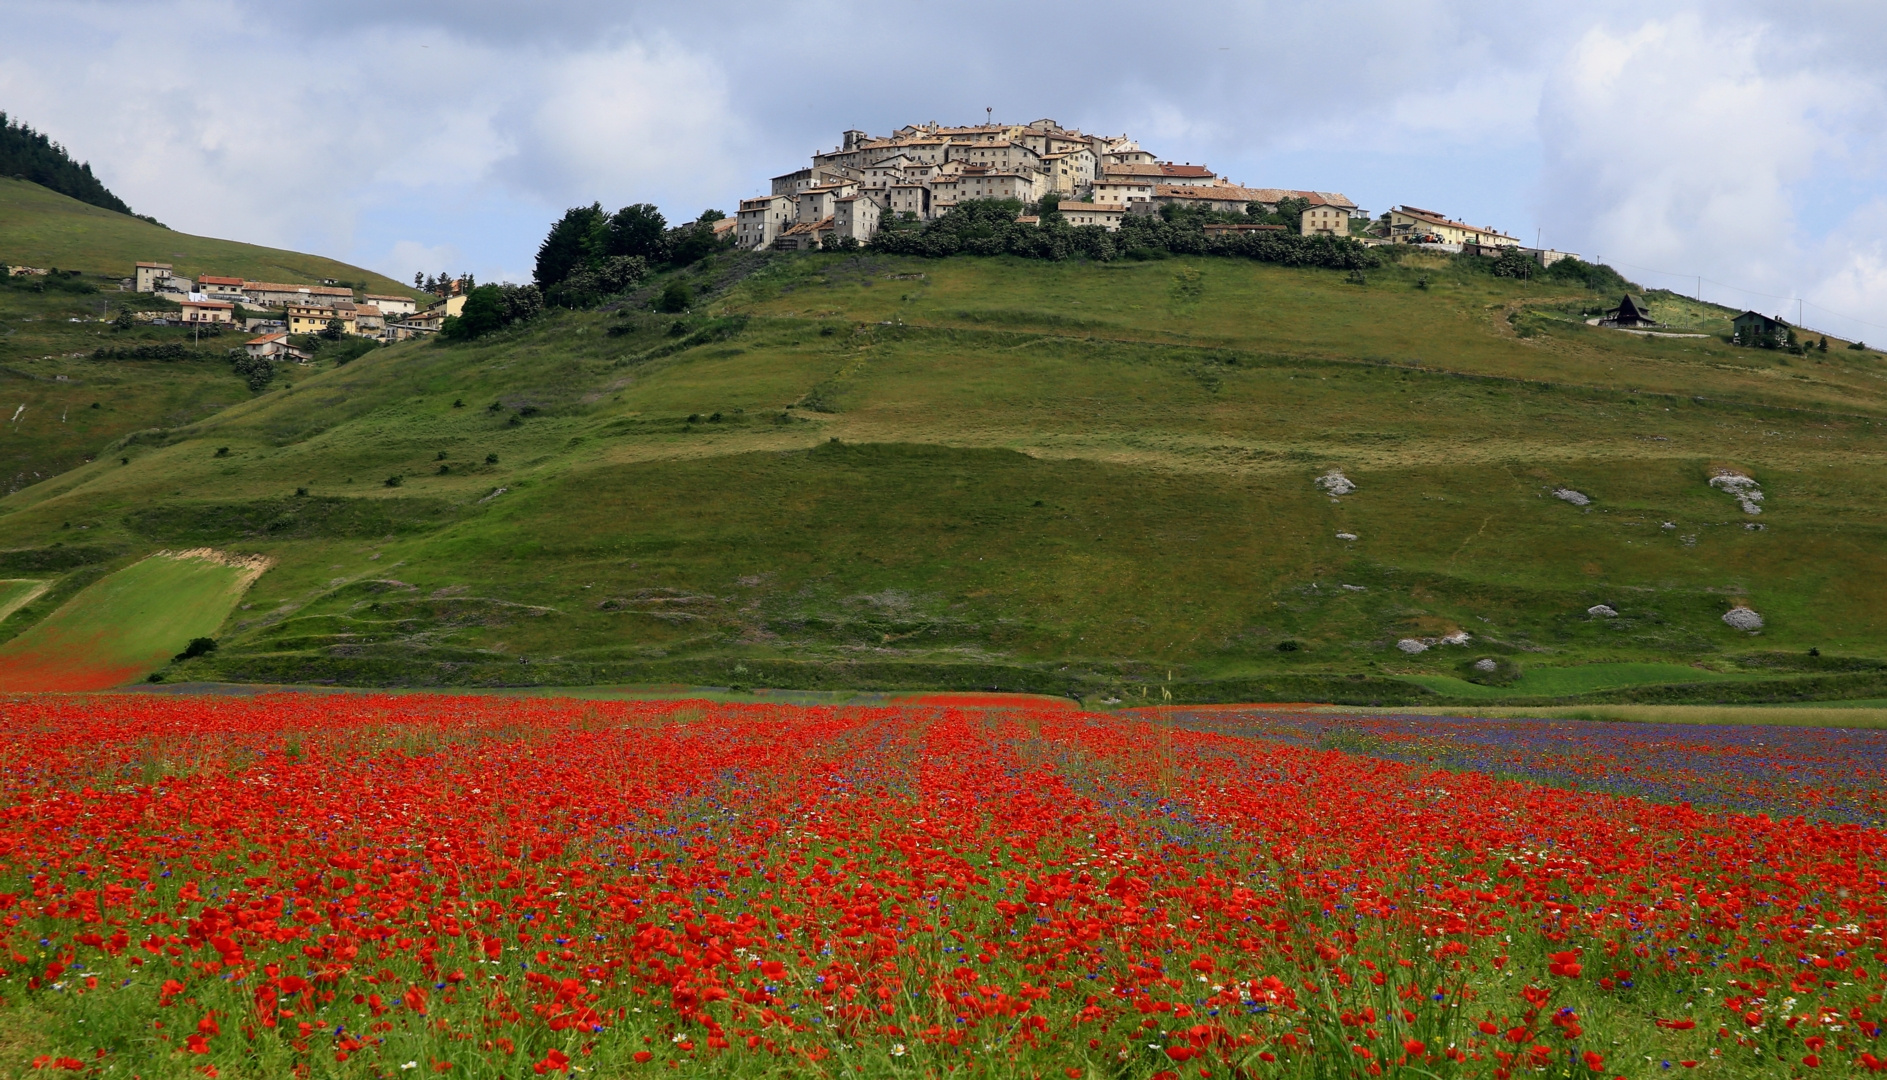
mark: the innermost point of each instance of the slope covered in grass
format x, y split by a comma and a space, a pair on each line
128, 623
976, 473
40, 227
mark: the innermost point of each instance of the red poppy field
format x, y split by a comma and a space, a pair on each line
352, 886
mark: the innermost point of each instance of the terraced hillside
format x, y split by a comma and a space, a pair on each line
1098, 479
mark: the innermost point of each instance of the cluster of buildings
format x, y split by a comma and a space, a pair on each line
289, 310
922, 171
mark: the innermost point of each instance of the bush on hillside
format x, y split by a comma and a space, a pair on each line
989, 227
1595, 277
257, 371
675, 299
492, 307
168, 350
1514, 263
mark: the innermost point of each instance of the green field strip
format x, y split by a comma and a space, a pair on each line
127, 624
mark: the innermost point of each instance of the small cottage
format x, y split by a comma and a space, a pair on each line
1631, 311
1754, 328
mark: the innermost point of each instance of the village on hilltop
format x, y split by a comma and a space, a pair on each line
920, 172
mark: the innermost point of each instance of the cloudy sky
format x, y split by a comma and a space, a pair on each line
1736, 141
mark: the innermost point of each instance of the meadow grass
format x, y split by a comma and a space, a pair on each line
42, 228
125, 625
983, 464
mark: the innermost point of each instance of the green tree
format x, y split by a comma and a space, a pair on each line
640, 230
1290, 212
335, 330
484, 311
570, 244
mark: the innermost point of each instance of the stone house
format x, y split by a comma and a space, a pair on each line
314, 318
1325, 220
855, 216
149, 274
391, 305
1123, 185
220, 288
915, 198
206, 311
759, 221
1412, 225
1106, 215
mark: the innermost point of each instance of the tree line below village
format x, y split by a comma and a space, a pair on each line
591, 255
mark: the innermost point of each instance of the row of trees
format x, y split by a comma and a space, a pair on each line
989, 227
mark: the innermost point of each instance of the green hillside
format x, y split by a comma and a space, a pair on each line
1065, 477
40, 227
62, 407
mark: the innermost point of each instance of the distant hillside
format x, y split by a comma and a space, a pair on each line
39, 227
1105, 479
26, 154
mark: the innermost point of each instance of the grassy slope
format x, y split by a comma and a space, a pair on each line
40, 227
123, 626
47, 337
1027, 475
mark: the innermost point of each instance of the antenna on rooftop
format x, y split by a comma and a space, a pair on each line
989, 115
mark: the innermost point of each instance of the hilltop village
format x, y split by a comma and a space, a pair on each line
921, 172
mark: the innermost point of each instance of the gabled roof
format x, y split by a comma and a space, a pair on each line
278, 335
155, 266
1199, 171
209, 279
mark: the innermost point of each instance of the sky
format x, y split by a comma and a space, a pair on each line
1734, 148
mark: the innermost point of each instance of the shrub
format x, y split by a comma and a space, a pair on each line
201, 646
493, 307
1513, 263
675, 298
257, 371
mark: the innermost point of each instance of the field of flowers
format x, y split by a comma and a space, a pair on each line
355, 886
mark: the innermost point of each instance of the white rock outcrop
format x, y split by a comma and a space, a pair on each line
1571, 496
1335, 483
1412, 645
1743, 618
1603, 611
1747, 492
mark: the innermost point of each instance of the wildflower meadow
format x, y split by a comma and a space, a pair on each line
315, 885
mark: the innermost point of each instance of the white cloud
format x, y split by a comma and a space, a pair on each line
1745, 146
1683, 145
625, 122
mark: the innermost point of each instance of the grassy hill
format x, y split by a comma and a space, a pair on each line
63, 408
976, 473
40, 227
